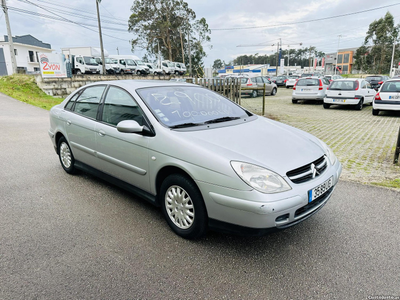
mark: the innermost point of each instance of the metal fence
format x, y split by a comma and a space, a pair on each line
229, 87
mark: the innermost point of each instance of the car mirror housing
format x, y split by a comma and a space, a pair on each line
129, 126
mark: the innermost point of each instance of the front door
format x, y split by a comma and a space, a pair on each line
122, 155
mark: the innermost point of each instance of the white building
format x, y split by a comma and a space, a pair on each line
26, 49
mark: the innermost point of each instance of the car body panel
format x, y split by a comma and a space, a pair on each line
204, 153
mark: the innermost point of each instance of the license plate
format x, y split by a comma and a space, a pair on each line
320, 190
305, 90
339, 100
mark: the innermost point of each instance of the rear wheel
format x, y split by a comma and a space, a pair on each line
254, 94
375, 112
66, 157
326, 105
273, 93
359, 106
183, 206
294, 101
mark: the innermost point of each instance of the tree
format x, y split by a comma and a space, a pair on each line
218, 64
383, 34
168, 26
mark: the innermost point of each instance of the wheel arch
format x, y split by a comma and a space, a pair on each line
58, 136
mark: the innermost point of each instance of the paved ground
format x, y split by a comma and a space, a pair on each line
364, 143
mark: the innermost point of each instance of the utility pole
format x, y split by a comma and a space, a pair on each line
183, 56
190, 57
117, 51
101, 39
10, 38
391, 64
337, 53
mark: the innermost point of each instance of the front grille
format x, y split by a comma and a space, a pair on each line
309, 171
310, 206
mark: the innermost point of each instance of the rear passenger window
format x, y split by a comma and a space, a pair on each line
120, 106
88, 102
71, 101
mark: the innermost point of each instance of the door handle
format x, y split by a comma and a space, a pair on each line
102, 133
69, 122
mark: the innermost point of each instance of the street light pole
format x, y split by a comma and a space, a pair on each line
101, 39
391, 64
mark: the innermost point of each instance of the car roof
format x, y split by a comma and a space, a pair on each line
130, 84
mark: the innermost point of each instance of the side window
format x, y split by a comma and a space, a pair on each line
88, 102
72, 101
364, 85
119, 106
253, 80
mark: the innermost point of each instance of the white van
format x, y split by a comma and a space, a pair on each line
168, 67
131, 64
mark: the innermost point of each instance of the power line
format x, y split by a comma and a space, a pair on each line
307, 21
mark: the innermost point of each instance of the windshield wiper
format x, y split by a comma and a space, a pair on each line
186, 125
223, 119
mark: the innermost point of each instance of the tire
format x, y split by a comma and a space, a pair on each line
183, 207
326, 105
254, 94
67, 159
287, 87
273, 93
176, 73
359, 106
294, 101
122, 72
138, 72
375, 112
78, 72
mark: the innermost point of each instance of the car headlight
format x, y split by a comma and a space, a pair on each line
329, 153
262, 180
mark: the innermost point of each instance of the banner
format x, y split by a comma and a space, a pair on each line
315, 63
323, 62
52, 65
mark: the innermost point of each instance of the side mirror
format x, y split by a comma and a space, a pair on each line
129, 126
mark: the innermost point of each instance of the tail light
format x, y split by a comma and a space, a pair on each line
321, 87
380, 82
294, 87
357, 85
249, 83
378, 97
329, 86
285, 80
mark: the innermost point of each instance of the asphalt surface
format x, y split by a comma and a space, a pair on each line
77, 237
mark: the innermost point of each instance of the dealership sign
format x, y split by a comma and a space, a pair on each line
52, 65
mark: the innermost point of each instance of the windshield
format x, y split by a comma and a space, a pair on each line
392, 86
130, 62
140, 63
186, 106
90, 61
308, 82
344, 85
109, 61
370, 78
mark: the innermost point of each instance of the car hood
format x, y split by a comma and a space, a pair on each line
263, 142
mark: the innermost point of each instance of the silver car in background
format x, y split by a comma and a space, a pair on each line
258, 82
291, 81
310, 88
207, 162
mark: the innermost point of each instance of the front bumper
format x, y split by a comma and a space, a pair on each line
258, 211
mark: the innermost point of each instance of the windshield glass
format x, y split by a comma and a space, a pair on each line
109, 61
140, 63
189, 106
90, 61
343, 85
308, 82
369, 78
393, 86
130, 62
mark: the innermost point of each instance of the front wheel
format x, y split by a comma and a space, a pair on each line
138, 72
66, 157
79, 72
183, 206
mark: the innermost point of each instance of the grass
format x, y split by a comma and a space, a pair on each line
25, 89
395, 183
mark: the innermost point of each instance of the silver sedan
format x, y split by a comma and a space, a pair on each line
207, 162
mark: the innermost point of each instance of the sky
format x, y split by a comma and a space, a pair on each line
254, 26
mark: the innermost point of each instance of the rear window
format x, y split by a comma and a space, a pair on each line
347, 85
243, 80
369, 78
293, 77
308, 82
307, 75
393, 86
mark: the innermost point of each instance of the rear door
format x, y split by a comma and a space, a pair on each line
367, 91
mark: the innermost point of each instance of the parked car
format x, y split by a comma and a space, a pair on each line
388, 97
176, 145
376, 80
350, 91
281, 80
154, 70
309, 88
291, 81
273, 79
333, 77
258, 81
311, 75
